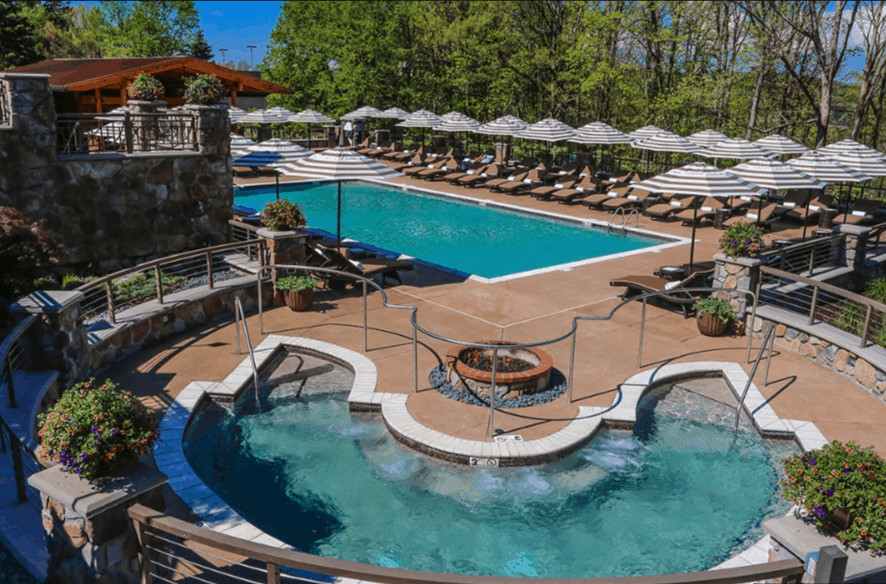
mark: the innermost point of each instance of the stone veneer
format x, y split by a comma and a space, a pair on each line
114, 210
736, 274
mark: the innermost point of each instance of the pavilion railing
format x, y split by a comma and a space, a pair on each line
125, 133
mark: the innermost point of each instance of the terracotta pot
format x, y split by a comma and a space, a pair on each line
710, 325
299, 300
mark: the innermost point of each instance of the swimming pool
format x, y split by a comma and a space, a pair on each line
678, 493
484, 241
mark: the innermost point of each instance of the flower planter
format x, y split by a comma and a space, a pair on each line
710, 325
298, 300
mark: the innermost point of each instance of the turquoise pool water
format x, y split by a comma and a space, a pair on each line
679, 493
468, 238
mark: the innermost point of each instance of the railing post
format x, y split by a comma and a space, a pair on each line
571, 363
112, 316
141, 534
642, 330
812, 259
209, 270
415, 357
815, 290
10, 387
127, 131
273, 573
867, 324
365, 326
491, 428
159, 283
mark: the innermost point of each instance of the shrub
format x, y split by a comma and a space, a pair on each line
851, 319
841, 476
282, 216
716, 306
876, 290
140, 285
24, 247
295, 283
145, 87
204, 90
94, 429
742, 240
71, 281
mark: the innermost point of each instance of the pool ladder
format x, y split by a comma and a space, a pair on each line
240, 321
626, 215
768, 341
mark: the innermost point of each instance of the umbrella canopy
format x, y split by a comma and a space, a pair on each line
707, 137
362, 113
699, 179
394, 113
503, 126
781, 145
667, 142
310, 116
274, 152
235, 113
599, 133
457, 123
869, 165
850, 146
421, 119
263, 117
775, 176
826, 169
644, 132
338, 164
279, 111
736, 148
240, 141
451, 115
547, 130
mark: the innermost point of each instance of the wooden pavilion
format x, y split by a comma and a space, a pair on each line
99, 85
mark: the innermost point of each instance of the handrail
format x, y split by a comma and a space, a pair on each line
766, 339
147, 519
6, 355
824, 286
626, 215
240, 318
795, 252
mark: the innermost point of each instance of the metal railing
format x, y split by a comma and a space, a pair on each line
806, 256
173, 549
125, 133
245, 232
824, 303
873, 245
108, 296
5, 106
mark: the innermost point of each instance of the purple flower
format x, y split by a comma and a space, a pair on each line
829, 492
819, 511
78, 470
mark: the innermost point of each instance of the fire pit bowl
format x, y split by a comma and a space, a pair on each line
518, 371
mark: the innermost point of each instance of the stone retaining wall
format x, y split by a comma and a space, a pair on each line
114, 210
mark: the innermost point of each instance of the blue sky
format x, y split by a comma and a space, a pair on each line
233, 25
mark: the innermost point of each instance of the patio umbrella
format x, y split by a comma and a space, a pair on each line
236, 114
599, 134
451, 115
869, 165
826, 169
850, 146
776, 176
421, 119
394, 113
781, 145
699, 179
737, 149
547, 130
707, 137
264, 117
274, 152
339, 164
310, 117
644, 132
504, 126
239, 144
363, 113
458, 123
666, 142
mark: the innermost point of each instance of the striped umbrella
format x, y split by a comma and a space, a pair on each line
394, 113
421, 119
736, 148
850, 146
339, 164
707, 137
263, 117
362, 113
274, 152
826, 169
279, 111
235, 113
699, 179
666, 142
239, 144
599, 133
547, 130
781, 145
451, 115
310, 117
644, 132
457, 123
503, 126
869, 165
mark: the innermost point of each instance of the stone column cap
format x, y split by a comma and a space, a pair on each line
10, 75
749, 262
47, 301
88, 499
277, 235
852, 229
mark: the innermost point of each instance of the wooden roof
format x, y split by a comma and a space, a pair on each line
89, 74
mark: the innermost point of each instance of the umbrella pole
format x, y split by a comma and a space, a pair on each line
338, 219
277, 184
692, 243
806, 218
309, 136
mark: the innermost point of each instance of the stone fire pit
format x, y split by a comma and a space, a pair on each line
518, 372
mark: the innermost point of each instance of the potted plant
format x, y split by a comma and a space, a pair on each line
204, 90
713, 315
298, 291
96, 429
283, 215
841, 488
145, 87
742, 240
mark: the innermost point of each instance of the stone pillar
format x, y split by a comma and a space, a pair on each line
144, 129
62, 337
89, 535
213, 128
737, 274
855, 250
285, 247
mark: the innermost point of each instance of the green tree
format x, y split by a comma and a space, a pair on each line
27, 30
149, 29
200, 48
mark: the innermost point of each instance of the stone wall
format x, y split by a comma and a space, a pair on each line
114, 210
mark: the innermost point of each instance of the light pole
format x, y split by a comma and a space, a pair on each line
251, 64
223, 51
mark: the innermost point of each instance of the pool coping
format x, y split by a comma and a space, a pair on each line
217, 515
667, 240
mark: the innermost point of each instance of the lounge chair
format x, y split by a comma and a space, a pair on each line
448, 166
489, 172
634, 199
595, 200
417, 159
706, 211
434, 165
328, 257
812, 211
514, 177
863, 213
764, 217
672, 206
570, 196
675, 294
531, 179
544, 192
